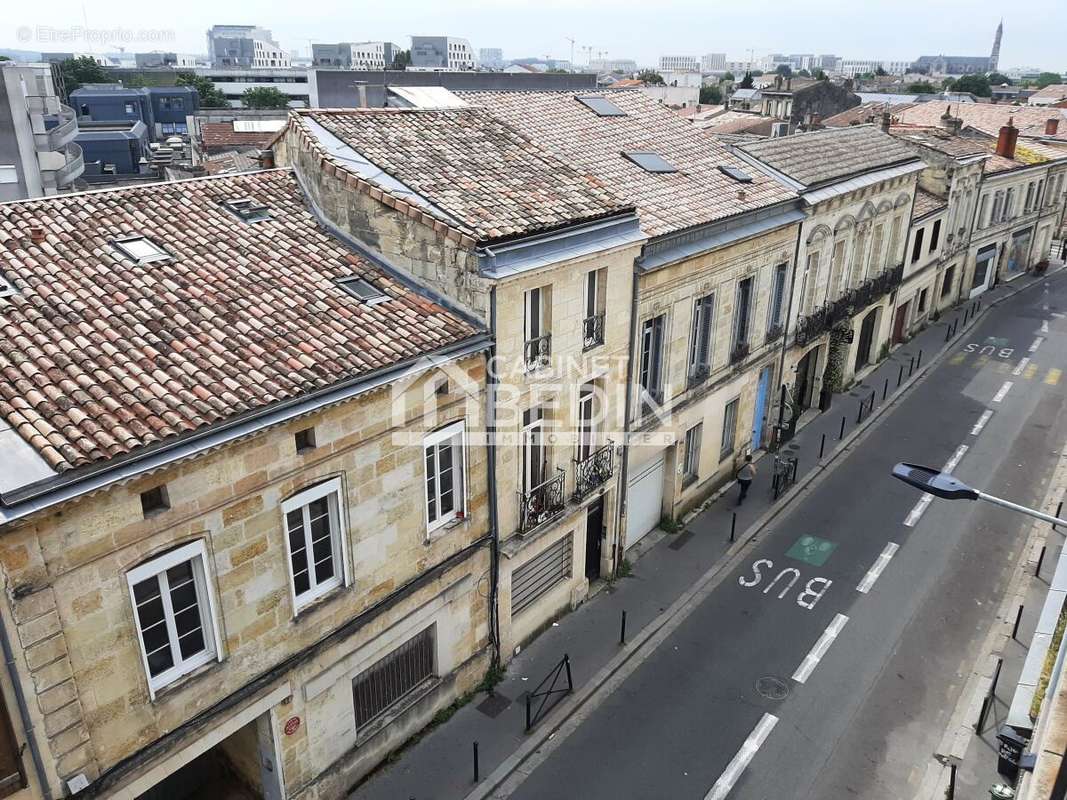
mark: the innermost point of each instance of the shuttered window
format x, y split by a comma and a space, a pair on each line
538, 575
391, 679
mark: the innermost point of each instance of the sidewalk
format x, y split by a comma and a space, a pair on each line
440, 765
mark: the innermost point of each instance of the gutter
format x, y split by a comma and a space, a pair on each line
494, 518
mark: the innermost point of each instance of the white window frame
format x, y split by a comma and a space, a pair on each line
701, 334
533, 445
458, 432
196, 553
340, 537
691, 463
587, 417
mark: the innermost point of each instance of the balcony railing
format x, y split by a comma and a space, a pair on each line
593, 470
541, 503
47, 104
72, 167
593, 331
739, 353
849, 303
53, 139
537, 352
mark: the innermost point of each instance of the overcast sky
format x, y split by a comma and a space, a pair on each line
640, 29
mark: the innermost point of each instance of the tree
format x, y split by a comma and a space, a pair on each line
82, 70
650, 76
820, 75
978, 85
711, 95
880, 71
402, 60
1047, 79
999, 79
947, 84
210, 97
922, 87
756, 73
784, 70
803, 74
729, 76
4, 58
746, 82
264, 97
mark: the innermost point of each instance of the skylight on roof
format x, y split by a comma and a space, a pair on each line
140, 249
733, 172
362, 289
602, 106
247, 209
6, 288
650, 162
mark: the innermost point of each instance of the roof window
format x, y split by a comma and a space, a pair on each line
7, 289
247, 209
733, 172
362, 289
140, 249
602, 106
650, 162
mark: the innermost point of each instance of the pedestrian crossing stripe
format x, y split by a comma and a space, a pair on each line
981, 361
1030, 371
957, 359
1053, 376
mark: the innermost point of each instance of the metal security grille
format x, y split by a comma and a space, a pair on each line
541, 573
378, 688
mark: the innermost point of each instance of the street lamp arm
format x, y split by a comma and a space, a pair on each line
1032, 512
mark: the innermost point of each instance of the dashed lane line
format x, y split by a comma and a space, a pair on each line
1036, 344
916, 513
812, 659
1022, 365
982, 420
876, 570
741, 760
1002, 392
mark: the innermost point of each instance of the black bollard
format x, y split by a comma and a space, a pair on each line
1018, 619
841, 435
919, 360
948, 332
885, 389
733, 526
900, 375
822, 446
622, 631
1040, 559
911, 365
859, 416
1059, 509
476, 777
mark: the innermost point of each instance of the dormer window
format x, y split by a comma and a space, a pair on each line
247, 209
140, 249
362, 289
650, 162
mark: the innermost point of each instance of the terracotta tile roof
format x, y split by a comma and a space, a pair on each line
926, 203
101, 356
833, 154
1057, 91
231, 162
939, 139
739, 122
861, 114
489, 180
973, 142
697, 193
215, 135
986, 117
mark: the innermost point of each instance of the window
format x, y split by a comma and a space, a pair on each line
595, 298
935, 235
534, 579
875, 265
305, 440
602, 106
313, 541
894, 238
692, 453
538, 338
247, 209
128, 108
173, 609
1009, 204
140, 249
650, 373
729, 429
774, 320
743, 313
733, 172
946, 282
445, 476
8, 173
586, 421
700, 338
998, 207
917, 245
534, 452
362, 289
983, 206
154, 501
6, 287
394, 677
807, 291
1029, 196
650, 162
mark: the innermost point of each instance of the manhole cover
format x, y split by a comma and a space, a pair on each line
772, 688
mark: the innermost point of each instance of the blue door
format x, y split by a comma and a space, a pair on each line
761, 407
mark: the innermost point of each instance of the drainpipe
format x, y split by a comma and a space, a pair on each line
785, 337
624, 457
24, 712
494, 525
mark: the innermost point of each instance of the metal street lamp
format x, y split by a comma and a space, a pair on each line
949, 487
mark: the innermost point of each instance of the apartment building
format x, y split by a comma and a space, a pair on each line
244, 46
355, 55
38, 154
857, 186
442, 52
679, 63
713, 62
711, 285
244, 536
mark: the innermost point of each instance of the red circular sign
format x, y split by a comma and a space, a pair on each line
292, 725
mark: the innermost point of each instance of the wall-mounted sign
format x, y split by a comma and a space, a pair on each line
292, 725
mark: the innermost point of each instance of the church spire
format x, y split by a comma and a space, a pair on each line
994, 57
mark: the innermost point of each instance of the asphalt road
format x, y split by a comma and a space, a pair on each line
790, 680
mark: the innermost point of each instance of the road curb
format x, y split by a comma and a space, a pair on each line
512, 770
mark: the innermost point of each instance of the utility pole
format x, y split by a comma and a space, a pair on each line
569, 39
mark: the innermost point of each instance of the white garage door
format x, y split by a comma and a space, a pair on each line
644, 499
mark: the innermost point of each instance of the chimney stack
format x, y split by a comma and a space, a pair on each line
37, 234
1052, 125
886, 120
265, 158
1009, 135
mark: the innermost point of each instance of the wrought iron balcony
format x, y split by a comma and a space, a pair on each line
698, 373
593, 470
850, 302
593, 331
774, 333
739, 353
537, 352
542, 503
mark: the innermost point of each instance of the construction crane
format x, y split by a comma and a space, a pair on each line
588, 48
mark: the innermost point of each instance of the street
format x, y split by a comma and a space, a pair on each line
829, 660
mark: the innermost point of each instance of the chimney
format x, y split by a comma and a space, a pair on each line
1009, 135
777, 81
741, 195
265, 159
886, 120
36, 234
954, 125
361, 92
789, 83
1052, 125
946, 118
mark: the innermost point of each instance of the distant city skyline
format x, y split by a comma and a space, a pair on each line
623, 29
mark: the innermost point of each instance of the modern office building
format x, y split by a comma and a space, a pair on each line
441, 52
355, 55
244, 46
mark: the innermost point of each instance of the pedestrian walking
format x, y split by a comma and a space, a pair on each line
744, 478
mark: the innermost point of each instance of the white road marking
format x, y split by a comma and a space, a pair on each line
1044, 326
812, 659
924, 501
737, 765
1003, 390
1036, 344
879, 565
1022, 365
982, 420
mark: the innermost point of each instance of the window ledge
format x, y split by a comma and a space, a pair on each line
312, 605
163, 693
